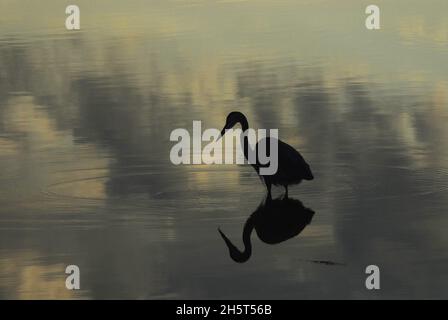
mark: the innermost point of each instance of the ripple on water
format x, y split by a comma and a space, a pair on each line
208, 188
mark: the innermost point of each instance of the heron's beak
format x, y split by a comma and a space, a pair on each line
234, 252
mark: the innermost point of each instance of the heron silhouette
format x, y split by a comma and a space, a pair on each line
292, 168
274, 221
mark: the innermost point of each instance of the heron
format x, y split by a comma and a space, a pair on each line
292, 167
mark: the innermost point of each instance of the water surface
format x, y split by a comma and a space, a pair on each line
85, 120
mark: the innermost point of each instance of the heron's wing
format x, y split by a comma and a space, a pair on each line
292, 161
289, 155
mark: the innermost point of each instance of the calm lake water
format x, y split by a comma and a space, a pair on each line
85, 120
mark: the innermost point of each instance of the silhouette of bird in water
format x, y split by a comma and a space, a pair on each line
292, 168
274, 221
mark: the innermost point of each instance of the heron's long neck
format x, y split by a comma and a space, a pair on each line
235, 253
245, 127
248, 227
244, 124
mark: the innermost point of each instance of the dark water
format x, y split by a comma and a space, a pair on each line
85, 119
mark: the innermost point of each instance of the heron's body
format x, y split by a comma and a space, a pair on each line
274, 221
292, 167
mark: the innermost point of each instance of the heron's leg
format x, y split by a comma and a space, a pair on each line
286, 193
268, 186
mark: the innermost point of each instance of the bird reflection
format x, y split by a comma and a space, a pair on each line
275, 221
